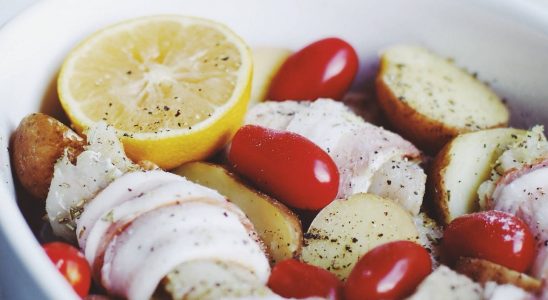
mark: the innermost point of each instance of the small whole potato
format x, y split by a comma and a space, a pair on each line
37, 143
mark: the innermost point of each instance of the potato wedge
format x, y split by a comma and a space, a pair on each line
278, 227
266, 62
346, 229
429, 100
461, 166
483, 271
37, 143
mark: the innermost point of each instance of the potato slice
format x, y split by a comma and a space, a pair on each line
38, 142
210, 280
484, 271
278, 227
266, 62
429, 100
461, 166
346, 229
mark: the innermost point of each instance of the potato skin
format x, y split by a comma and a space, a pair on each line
430, 100
435, 186
461, 166
278, 227
37, 143
483, 271
426, 133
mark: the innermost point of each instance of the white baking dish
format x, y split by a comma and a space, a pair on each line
506, 42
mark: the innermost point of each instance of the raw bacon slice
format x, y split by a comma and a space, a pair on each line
115, 217
152, 245
128, 186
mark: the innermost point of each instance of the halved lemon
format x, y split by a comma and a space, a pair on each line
175, 88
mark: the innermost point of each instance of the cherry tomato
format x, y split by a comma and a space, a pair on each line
389, 271
324, 69
286, 165
294, 279
491, 235
72, 265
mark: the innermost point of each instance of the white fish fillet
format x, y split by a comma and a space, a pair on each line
430, 236
158, 241
494, 291
444, 283
527, 197
124, 220
126, 187
72, 185
527, 151
401, 180
519, 185
128, 197
359, 149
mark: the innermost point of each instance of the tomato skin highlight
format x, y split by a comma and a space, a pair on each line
294, 279
323, 69
72, 265
288, 166
389, 271
492, 235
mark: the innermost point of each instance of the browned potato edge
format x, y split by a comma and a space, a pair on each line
436, 192
482, 271
37, 143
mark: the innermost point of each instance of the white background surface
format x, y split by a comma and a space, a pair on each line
9, 8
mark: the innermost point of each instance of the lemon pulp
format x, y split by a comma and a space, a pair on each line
175, 88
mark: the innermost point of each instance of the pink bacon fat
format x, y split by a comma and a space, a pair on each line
163, 213
145, 251
127, 198
127, 187
524, 193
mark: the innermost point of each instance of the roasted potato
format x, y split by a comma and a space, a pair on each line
461, 166
278, 227
483, 271
429, 100
211, 280
346, 229
38, 142
266, 63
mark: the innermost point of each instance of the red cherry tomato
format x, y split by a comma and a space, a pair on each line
495, 236
294, 279
389, 271
286, 165
325, 69
72, 264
